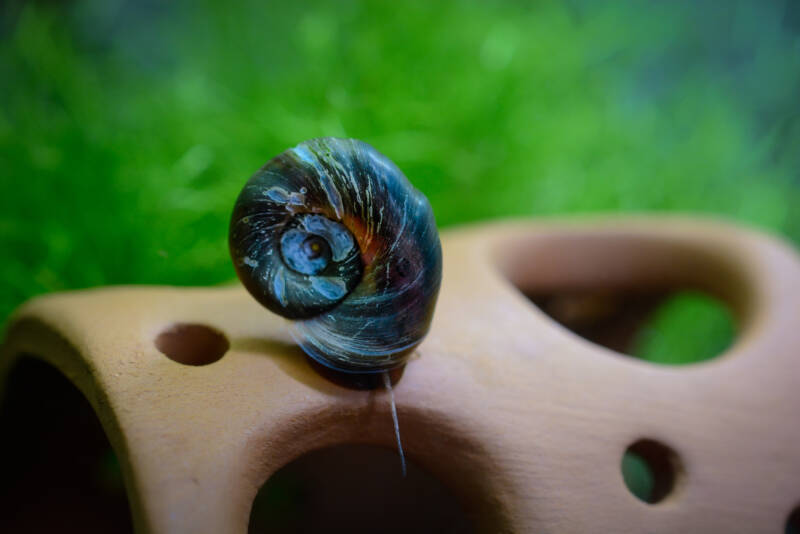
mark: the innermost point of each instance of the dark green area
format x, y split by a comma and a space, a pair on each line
638, 476
793, 522
128, 128
688, 327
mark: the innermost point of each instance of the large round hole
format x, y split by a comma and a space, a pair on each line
657, 299
355, 488
58, 472
667, 328
793, 521
192, 344
650, 470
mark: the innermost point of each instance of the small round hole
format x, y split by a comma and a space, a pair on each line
793, 521
650, 470
192, 344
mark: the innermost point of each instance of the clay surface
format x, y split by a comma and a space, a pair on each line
525, 420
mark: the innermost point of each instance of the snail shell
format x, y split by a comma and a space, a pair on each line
332, 235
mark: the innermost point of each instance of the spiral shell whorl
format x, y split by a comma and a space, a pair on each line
332, 234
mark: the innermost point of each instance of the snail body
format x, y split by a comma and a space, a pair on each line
332, 235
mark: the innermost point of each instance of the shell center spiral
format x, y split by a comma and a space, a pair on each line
309, 246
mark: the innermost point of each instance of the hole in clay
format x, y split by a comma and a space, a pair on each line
355, 488
58, 472
658, 300
192, 344
793, 521
678, 328
650, 470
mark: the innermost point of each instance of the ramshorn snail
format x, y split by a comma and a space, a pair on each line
332, 235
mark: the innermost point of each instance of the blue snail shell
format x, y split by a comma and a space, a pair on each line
332, 235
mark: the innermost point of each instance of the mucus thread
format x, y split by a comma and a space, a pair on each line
387, 382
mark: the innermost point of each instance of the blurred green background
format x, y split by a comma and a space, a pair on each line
128, 128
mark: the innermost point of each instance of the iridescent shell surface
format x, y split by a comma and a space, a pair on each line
332, 235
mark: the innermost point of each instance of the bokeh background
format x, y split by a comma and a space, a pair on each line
127, 128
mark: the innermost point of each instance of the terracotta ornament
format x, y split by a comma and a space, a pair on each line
525, 420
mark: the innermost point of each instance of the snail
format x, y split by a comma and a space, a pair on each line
331, 235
